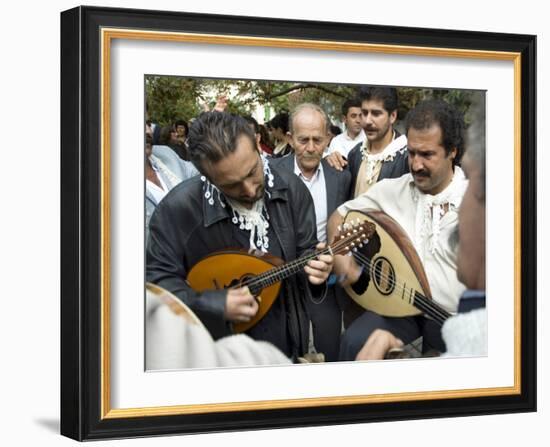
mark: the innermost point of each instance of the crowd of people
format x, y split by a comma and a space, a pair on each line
282, 190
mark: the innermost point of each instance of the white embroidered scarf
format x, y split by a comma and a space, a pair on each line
373, 160
430, 209
255, 220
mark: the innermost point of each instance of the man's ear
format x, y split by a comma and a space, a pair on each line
393, 116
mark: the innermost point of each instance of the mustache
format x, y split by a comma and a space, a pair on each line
421, 173
312, 157
371, 129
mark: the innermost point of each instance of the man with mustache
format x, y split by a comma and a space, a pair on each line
239, 201
465, 334
329, 188
383, 153
425, 203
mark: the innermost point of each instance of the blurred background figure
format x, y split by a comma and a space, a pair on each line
163, 170
333, 131
182, 129
265, 140
151, 128
168, 137
262, 148
278, 127
353, 133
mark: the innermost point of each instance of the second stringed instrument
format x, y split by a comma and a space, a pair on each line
398, 285
263, 274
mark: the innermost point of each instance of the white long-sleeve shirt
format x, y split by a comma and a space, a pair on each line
343, 143
414, 211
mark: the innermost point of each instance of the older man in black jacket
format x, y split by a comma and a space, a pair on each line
329, 188
239, 201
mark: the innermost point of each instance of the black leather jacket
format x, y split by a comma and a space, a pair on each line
185, 228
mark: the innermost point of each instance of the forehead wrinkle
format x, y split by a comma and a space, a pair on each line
308, 118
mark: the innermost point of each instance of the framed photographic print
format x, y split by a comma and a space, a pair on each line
114, 62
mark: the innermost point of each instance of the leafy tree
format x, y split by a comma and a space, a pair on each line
170, 98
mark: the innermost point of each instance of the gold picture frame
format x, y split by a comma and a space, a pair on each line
87, 38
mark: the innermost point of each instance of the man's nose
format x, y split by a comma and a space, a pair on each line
249, 189
416, 164
310, 146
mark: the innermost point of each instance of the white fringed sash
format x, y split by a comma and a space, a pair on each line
431, 209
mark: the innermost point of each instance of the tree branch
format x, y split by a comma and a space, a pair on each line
303, 87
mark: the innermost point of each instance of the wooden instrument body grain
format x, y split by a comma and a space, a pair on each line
231, 269
396, 271
262, 273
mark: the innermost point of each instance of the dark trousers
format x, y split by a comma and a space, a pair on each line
326, 318
407, 329
273, 328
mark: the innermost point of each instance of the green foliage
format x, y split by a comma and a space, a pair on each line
170, 98
409, 97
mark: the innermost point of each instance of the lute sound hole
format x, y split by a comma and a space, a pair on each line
382, 275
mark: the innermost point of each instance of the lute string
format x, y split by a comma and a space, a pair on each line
276, 274
423, 303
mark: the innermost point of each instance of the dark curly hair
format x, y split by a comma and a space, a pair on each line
213, 135
280, 121
387, 95
349, 103
448, 118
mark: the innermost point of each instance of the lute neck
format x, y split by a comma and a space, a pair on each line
430, 308
282, 272
355, 236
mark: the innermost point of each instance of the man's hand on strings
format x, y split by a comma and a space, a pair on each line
240, 305
346, 269
319, 269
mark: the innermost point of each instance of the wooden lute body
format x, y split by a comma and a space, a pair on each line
398, 285
263, 273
